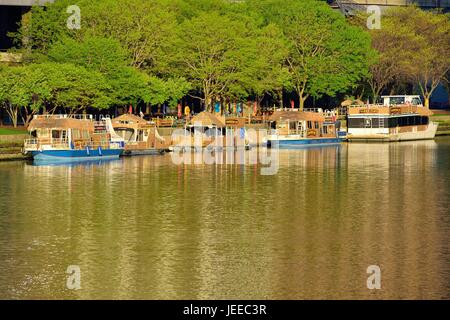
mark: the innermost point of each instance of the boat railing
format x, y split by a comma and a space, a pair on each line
31, 144
36, 143
65, 116
385, 109
315, 110
286, 131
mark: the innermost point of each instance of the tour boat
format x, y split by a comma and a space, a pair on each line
72, 138
294, 129
207, 130
141, 136
398, 118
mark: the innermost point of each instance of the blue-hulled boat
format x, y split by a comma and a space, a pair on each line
71, 138
299, 129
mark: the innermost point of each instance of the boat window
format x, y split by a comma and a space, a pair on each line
309, 124
397, 100
292, 125
56, 134
43, 133
416, 102
325, 129
76, 134
408, 121
316, 124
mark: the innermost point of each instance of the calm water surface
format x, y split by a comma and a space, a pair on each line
146, 228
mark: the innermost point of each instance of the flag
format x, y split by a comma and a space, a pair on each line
179, 111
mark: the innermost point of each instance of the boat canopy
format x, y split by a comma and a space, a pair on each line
131, 121
207, 119
296, 116
60, 124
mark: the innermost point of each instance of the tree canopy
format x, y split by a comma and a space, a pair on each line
159, 51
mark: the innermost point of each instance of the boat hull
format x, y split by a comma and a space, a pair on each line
428, 134
302, 143
76, 155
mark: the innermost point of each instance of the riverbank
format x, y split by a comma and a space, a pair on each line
443, 118
11, 143
11, 150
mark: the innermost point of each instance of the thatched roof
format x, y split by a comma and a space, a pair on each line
130, 118
350, 102
296, 116
207, 119
60, 124
346, 103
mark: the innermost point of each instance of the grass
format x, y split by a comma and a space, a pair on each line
11, 131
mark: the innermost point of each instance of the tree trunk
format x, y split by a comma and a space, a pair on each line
427, 101
301, 100
13, 113
280, 96
301, 97
28, 116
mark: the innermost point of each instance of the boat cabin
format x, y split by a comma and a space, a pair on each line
393, 118
138, 133
412, 100
303, 124
67, 132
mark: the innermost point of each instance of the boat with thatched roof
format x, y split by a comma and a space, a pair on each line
72, 138
293, 128
141, 136
209, 130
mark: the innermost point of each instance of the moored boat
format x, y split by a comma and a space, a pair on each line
297, 129
141, 136
208, 130
398, 118
62, 138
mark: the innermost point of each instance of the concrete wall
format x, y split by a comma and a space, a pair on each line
13, 138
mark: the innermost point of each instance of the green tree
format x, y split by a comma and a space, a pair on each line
215, 53
143, 27
74, 87
129, 85
13, 93
43, 26
326, 54
270, 74
427, 62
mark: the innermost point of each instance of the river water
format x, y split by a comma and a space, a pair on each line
147, 228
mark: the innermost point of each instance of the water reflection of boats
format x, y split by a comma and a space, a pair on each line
69, 163
70, 138
141, 136
294, 129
